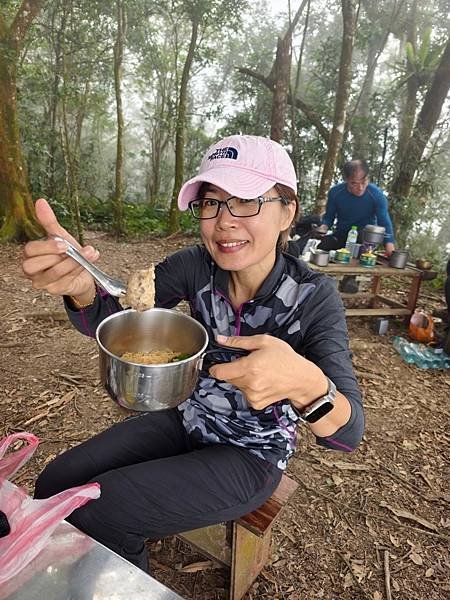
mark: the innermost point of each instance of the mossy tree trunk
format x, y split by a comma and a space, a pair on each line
360, 131
280, 93
57, 34
18, 220
71, 154
293, 93
408, 113
350, 14
426, 122
280, 75
119, 224
180, 135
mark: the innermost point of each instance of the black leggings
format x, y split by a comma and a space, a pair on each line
156, 481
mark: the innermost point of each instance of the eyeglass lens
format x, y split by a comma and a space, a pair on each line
208, 208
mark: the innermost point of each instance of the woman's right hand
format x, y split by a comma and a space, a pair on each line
48, 267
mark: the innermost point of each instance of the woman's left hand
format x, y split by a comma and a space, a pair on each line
271, 372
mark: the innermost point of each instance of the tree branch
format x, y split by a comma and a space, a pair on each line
265, 80
286, 39
300, 104
312, 116
296, 18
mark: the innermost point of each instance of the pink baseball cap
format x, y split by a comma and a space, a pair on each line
245, 166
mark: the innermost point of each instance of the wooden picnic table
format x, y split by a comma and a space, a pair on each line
380, 305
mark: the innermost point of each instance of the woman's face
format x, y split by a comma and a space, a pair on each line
240, 243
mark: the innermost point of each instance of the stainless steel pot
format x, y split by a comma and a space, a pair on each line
150, 387
398, 259
373, 234
375, 228
320, 258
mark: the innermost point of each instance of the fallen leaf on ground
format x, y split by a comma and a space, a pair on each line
394, 541
416, 558
407, 515
336, 479
197, 566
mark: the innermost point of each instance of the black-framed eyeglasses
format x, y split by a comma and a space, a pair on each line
208, 208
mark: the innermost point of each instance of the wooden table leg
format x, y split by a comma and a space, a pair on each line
376, 285
414, 292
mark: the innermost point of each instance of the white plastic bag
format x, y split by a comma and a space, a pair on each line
32, 521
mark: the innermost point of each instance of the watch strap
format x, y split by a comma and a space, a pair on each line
320, 407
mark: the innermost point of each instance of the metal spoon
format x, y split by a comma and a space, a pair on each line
113, 286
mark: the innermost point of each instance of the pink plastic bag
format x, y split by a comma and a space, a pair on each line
32, 521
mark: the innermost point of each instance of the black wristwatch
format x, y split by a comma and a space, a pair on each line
319, 408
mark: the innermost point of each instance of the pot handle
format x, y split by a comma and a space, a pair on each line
223, 350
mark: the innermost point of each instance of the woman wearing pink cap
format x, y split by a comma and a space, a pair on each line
222, 452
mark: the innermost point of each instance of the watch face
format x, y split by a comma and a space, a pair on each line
318, 411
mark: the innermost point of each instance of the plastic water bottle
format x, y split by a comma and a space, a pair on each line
422, 358
412, 353
402, 347
438, 357
421, 355
433, 357
352, 235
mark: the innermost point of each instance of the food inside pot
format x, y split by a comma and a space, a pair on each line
155, 357
141, 289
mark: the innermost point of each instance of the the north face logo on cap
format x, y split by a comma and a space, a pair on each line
228, 152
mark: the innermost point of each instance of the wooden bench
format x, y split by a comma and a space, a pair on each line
243, 546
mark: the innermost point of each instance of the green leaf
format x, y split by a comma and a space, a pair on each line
410, 54
424, 47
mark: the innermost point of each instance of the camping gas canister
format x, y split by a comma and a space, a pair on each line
367, 259
342, 256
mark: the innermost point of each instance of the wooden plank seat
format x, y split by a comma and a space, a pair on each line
243, 546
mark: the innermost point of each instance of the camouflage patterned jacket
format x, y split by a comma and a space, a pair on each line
295, 304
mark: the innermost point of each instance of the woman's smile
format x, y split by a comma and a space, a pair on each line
231, 246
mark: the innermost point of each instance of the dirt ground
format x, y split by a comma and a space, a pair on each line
357, 520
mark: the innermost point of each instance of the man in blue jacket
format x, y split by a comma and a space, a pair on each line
356, 202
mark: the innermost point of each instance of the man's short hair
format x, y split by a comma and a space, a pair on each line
352, 166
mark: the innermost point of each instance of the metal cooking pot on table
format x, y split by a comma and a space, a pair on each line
319, 257
398, 259
373, 234
156, 386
